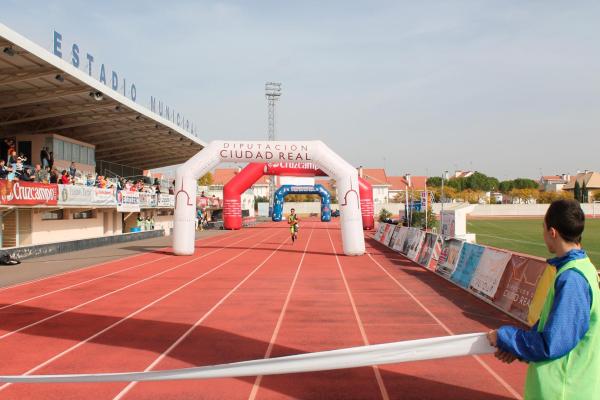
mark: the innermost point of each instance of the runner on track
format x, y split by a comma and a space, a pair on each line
293, 223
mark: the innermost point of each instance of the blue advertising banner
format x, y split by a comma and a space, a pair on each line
467, 264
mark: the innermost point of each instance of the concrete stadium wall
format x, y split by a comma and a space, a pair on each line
74, 245
481, 210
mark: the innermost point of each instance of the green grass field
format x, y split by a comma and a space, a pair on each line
525, 236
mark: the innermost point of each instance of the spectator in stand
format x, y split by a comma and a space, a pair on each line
51, 160
3, 170
65, 179
90, 180
149, 223
45, 157
18, 167
140, 222
72, 169
23, 158
54, 178
40, 175
11, 174
26, 175
12, 158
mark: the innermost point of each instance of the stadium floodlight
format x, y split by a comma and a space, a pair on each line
97, 95
9, 51
272, 93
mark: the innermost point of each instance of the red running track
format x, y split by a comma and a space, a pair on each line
245, 295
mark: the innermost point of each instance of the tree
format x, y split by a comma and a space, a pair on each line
577, 191
506, 186
434, 181
206, 180
525, 183
525, 195
418, 219
549, 197
384, 215
584, 193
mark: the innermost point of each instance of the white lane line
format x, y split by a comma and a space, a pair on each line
363, 333
258, 379
2, 289
133, 314
114, 291
131, 385
489, 369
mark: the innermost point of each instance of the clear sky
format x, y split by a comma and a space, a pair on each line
509, 88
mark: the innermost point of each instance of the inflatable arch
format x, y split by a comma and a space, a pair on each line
232, 191
284, 190
316, 152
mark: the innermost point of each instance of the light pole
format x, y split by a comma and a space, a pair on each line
408, 213
272, 93
444, 177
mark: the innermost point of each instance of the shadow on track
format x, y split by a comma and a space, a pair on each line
208, 346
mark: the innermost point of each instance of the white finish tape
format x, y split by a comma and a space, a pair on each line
379, 354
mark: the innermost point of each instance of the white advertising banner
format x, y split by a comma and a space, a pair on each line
398, 244
104, 197
147, 199
76, 195
489, 273
414, 239
379, 232
448, 224
166, 200
128, 201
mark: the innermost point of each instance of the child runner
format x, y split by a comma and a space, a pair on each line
563, 347
293, 222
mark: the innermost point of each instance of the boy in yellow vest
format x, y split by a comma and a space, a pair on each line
563, 347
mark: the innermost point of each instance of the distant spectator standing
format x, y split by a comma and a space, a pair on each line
12, 159
45, 157
140, 221
51, 160
72, 169
3, 170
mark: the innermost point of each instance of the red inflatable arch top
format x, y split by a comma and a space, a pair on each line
232, 191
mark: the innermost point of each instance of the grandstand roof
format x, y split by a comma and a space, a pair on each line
41, 93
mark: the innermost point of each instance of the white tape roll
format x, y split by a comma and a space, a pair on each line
379, 354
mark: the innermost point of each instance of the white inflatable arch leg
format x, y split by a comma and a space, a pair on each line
218, 151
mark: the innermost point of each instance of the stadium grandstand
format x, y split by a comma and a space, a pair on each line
73, 150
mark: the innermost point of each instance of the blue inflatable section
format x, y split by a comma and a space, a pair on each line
284, 190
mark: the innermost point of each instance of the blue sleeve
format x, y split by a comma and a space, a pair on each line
567, 323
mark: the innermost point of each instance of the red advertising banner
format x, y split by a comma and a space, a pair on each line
518, 285
27, 193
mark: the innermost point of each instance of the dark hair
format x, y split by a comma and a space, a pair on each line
567, 217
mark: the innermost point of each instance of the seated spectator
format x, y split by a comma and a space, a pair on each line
3, 170
26, 175
54, 178
23, 158
12, 176
40, 175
